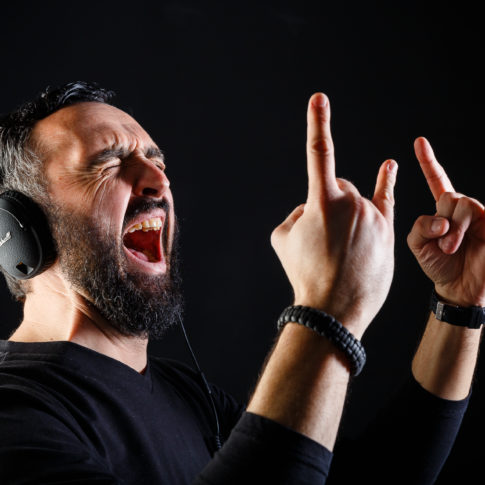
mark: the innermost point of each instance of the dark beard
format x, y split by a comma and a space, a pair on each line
94, 262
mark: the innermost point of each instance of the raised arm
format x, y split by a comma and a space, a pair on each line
450, 248
337, 251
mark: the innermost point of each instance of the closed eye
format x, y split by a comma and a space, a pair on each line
111, 166
159, 165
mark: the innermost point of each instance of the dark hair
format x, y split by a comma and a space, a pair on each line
21, 166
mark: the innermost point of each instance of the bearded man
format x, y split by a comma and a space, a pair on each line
80, 400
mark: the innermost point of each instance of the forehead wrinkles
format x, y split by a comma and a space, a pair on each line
127, 136
76, 136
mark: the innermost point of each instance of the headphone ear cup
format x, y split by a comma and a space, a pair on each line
26, 245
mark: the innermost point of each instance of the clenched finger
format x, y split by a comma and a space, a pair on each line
446, 204
425, 229
287, 224
466, 211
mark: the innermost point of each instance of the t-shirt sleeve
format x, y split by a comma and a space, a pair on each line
408, 443
46, 451
260, 450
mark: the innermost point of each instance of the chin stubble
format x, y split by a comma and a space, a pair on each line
94, 262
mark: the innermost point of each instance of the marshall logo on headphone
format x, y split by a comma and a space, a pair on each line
5, 239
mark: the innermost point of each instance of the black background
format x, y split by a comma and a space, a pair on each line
222, 88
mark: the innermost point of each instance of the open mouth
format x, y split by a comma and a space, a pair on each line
143, 240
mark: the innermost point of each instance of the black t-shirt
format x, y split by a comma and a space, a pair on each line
71, 415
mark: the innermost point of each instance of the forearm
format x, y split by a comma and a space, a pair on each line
413, 433
445, 361
321, 245
304, 385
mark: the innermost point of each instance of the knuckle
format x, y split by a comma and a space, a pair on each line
451, 196
321, 146
438, 175
388, 195
277, 235
459, 231
465, 204
274, 238
409, 238
445, 197
355, 203
348, 187
421, 223
344, 184
475, 202
416, 230
446, 201
468, 202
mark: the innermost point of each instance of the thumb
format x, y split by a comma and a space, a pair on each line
425, 229
384, 192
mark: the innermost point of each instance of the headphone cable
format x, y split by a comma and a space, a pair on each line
217, 436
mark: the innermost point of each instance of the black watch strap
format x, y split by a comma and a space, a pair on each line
471, 317
326, 326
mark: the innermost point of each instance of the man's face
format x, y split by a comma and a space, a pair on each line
111, 212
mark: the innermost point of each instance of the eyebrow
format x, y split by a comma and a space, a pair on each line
120, 152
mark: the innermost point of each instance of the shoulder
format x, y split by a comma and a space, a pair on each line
27, 400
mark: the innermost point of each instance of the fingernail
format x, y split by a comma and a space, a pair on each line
436, 225
392, 166
449, 244
319, 100
446, 244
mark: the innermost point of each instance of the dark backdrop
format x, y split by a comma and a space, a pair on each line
222, 88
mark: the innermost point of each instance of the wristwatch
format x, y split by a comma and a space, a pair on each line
470, 317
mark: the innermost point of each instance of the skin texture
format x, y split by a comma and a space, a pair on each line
101, 194
450, 248
321, 246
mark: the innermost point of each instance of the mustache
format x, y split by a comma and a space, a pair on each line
138, 206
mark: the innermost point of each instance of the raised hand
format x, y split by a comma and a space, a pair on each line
338, 248
450, 246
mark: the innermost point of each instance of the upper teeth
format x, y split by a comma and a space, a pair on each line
148, 225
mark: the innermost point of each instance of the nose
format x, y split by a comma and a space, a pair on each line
150, 179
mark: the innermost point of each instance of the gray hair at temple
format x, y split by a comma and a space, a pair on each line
21, 164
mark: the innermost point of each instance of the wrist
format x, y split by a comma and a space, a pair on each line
350, 317
452, 298
327, 326
471, 316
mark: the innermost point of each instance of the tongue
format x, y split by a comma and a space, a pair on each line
144, 245
142, 256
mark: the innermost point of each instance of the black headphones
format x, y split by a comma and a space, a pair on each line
26, 245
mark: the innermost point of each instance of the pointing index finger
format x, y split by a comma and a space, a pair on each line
320, 152
435, 174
